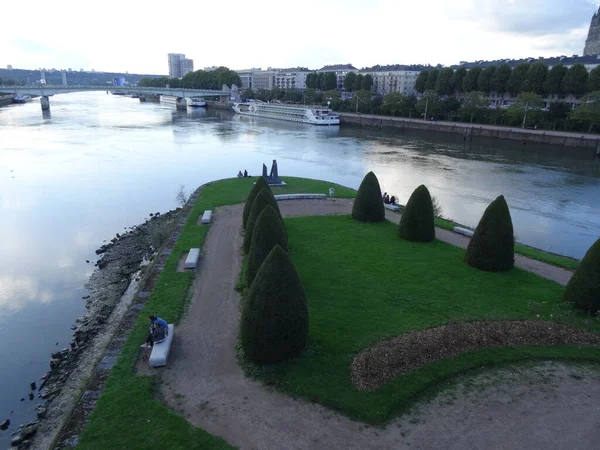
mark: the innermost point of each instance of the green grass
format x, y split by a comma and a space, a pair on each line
127, 415
533, 253
363, 284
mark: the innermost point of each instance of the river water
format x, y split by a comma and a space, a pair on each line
101, 163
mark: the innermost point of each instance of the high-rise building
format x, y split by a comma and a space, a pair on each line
179, 65
592, 43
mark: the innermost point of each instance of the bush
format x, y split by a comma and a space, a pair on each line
368, 204
583, 289
492, 247
274, 323
416, 223
268, 231
258, 185
265, 197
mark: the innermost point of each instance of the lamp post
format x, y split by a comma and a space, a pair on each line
525, 116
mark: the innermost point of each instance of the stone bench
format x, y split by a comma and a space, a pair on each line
161, 350
464, 231
192, 259
394, 208
300, 197
206, 217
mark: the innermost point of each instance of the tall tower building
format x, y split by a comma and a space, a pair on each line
179, 65
592, 43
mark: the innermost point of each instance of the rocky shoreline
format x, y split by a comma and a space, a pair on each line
120, 261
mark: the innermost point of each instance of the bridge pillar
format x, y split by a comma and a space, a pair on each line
45, 102
181, 104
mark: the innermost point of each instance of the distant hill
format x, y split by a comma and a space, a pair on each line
22, 76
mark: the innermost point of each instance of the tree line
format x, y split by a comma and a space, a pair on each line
200, 79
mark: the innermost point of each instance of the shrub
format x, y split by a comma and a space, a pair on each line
265, 197
260, 184
274, 323
268, 231
416, 223
583, 289
368, 204
492, 247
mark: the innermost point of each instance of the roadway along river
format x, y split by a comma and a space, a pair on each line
103, 162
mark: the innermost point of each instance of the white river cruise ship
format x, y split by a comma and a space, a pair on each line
302, 114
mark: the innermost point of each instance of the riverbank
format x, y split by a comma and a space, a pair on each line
6, 100
469, 131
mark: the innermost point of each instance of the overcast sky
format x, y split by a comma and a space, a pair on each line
136, 36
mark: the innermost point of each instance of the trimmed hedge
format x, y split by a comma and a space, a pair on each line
368, 204
492, 247
583, 289
258, 185
263, 198
417, 221
274, 323
268, 232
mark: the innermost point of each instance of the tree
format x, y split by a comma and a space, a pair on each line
263, 198
525, 103
442, 84
310, 96
267, 233
583, 289
329, 81
260, 183
575, 80
431, 79
554, 79
319, 81
517, 78
248, 93
473, 103
501, 78
416, 223
492, 246
311, 81
457, 80
558, 111
392, 103
274, 322
588, 111
211, 79
485, 83
368, 204
429, 105
420, 82
357, 82
593, 83
362, 101
536, 77
349, 81
367, 82
471, 80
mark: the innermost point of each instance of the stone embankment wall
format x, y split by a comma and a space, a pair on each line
6, 100
469, 131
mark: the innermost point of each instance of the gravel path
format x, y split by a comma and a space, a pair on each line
206, 385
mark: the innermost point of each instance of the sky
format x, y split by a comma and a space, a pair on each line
136, 36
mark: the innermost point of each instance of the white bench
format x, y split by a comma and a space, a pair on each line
465, 231
192, 259
394, 208
206, 217
161, 350
300, 197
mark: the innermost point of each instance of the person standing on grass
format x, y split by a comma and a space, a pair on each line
159, 329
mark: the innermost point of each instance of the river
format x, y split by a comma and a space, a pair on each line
101, 163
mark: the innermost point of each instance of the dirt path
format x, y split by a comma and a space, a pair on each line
205, 383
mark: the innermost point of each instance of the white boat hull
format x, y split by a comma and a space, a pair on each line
279, 113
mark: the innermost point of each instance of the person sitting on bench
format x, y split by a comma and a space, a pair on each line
158, 331
393, 200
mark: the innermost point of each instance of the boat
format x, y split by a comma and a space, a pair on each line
118, 93
196, 102
315, 115
20, 98
168, 100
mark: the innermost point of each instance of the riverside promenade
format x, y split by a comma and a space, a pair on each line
470, 130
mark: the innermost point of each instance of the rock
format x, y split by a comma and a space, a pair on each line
87, 261
54, 363
29, 431
31, 396
4, 425
33, 386
15, 441
56, 355
22, 399
25, 444
41, 412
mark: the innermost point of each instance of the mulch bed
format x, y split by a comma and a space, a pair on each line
387, 359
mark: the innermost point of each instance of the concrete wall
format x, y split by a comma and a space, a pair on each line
6, 100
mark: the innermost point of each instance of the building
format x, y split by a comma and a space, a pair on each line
246, 76
179, 65
589, 61
294, 78
394, 78
9, 67
263, 79
592, 43
340, 71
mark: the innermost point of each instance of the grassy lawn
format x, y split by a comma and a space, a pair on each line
127, 416
363, 284
530, 252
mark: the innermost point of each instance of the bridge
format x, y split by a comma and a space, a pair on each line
45, 91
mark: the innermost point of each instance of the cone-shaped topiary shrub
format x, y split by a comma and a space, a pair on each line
268, 231
265, 197
583, 288
260, 184
368, 204
492, 247
416, 223
274, 324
